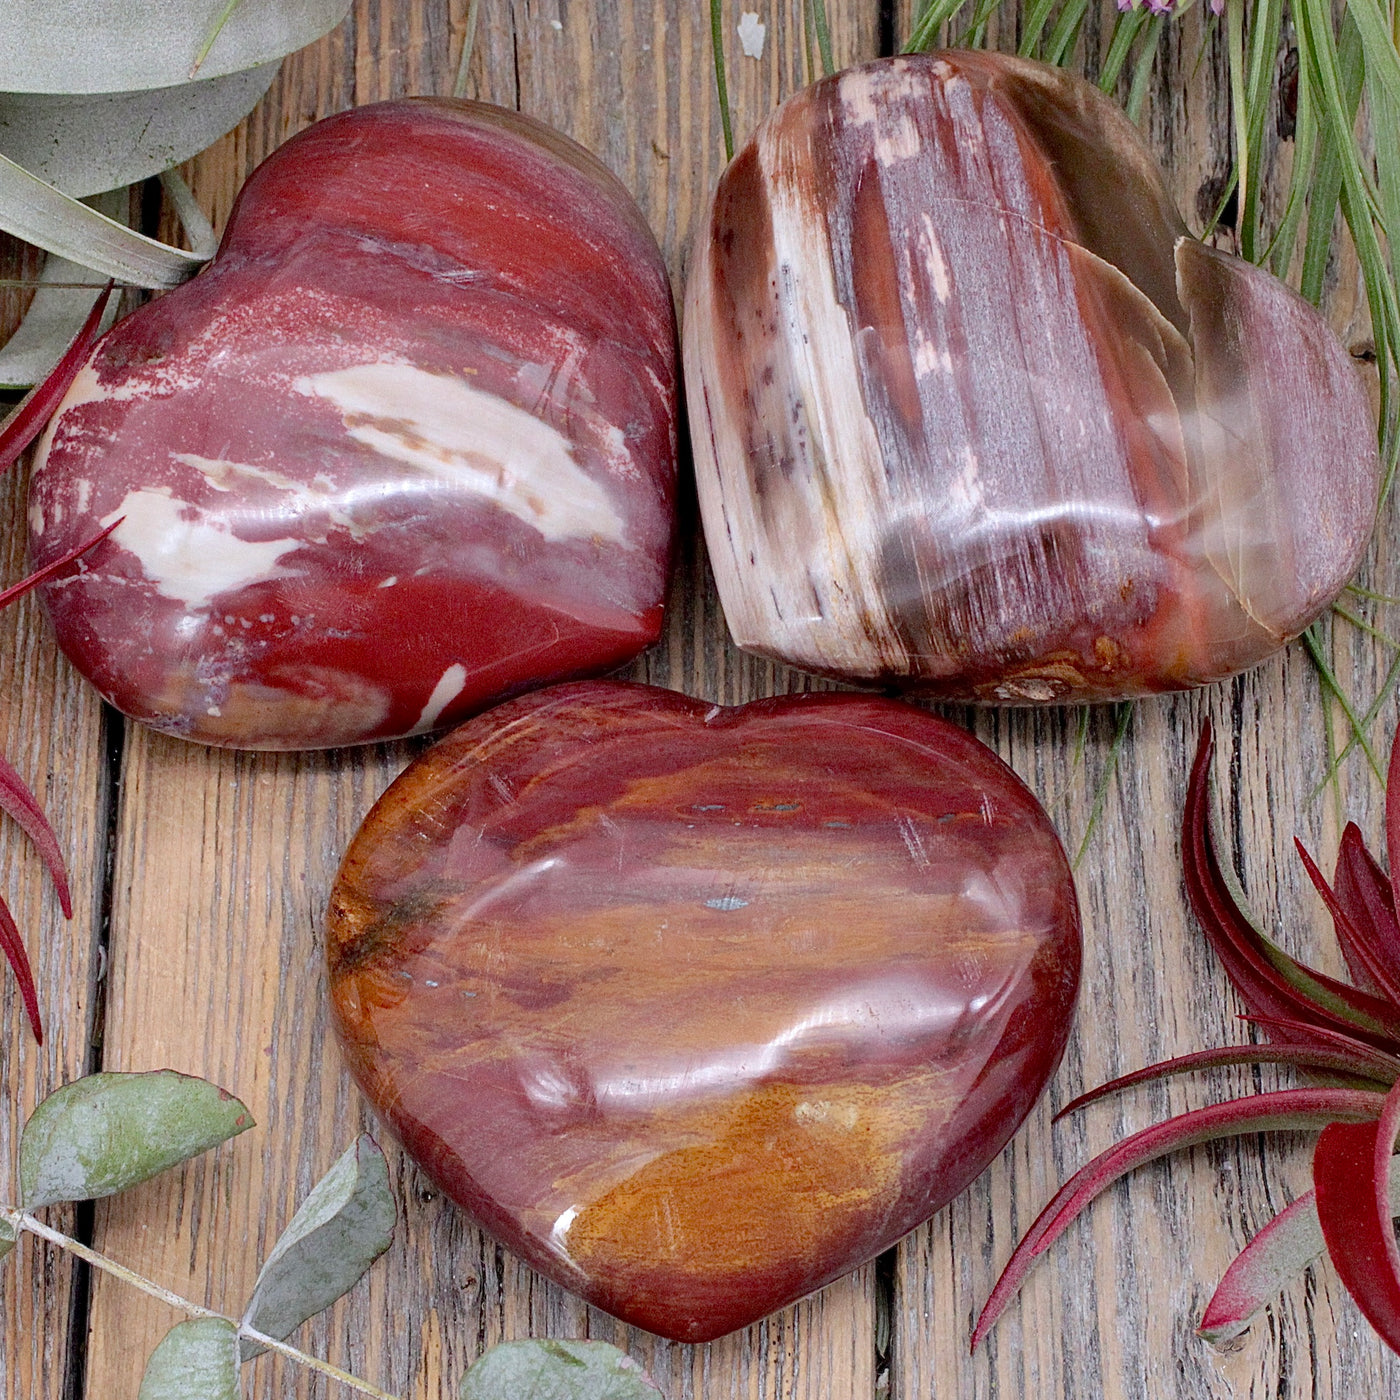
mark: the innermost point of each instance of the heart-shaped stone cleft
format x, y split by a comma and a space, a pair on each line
698, 1008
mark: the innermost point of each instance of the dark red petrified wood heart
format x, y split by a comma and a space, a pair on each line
974, 414
697, 1008
406, 447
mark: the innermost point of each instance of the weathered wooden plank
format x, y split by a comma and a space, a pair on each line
224, 861
1110, 1311
51, 730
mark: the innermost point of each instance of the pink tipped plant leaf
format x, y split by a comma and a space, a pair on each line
1263, 1268
21, 804
1366, 891
1357, 945
18, 590
1284, 1110
1351, 1178
18, 959
1361, 1063
1270, 982
37, 406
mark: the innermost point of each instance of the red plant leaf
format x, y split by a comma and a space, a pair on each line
1356, 944
1351, 1178
1270, 982
1363, 1062
1283, 1110
1282, 1249
17, 590
1392, 808
1300, 1033
13, 946
1285, 1246
23, 806
1368, 895
37, 406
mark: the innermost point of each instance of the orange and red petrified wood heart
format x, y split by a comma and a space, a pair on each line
697, 1008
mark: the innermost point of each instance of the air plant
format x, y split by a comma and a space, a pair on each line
1344, 1035
16, 433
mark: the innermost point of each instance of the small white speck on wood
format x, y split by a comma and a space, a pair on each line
752, 32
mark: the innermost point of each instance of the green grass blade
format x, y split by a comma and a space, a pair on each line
1326, 191
1142, 69
1033, 26
220, 20
1124, 717
1313, 642
1305, 139
1362, 625
1367, 721
976, 37
1126, 28
926, 27
1382, 60
721, 85
1375, 597
1065, 34
823, 36
1251, 100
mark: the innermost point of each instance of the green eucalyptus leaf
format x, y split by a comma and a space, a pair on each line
126, 45
33, 210
195, 1360
84, 143
58, 309
107, 1132
9, 1237
549, 1370
343, 1226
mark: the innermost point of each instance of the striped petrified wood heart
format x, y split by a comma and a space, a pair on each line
973, 413
697, 1008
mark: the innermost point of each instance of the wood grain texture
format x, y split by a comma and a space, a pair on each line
51, 730
222, 863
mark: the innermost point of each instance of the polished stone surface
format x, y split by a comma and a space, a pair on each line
698, 1008
973, 414
406, 447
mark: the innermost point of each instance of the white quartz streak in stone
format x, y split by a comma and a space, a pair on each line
448, 688
474, 441
187, 555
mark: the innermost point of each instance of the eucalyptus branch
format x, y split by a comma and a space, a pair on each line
21, 1221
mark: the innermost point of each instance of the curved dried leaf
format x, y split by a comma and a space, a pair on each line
1352, 1170
342, 1227
15, 954
126, 45
39, 214
550, 1370
1282, 1249
107, 1132
88, 142
196, 1360
1284, 1110
35, 409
